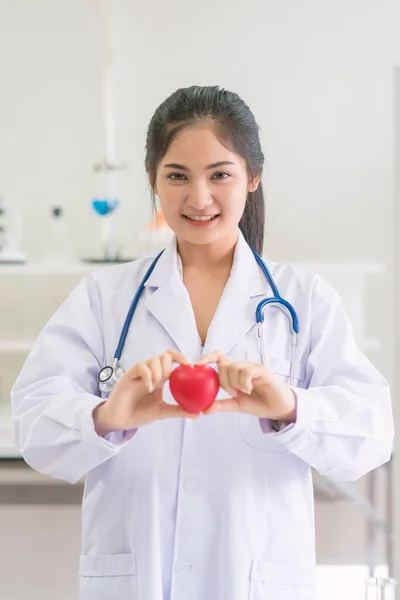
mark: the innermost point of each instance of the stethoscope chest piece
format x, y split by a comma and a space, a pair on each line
105, 374
108, 377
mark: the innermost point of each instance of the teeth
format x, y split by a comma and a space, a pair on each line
201, 218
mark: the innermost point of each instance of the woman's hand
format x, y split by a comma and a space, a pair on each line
253, 388
137, 399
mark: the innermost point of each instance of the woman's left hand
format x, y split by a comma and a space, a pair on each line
253, 388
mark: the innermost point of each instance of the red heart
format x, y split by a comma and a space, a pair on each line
194, 387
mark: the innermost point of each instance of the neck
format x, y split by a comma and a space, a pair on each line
214, 256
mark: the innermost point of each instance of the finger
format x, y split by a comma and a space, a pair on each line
143, 372
212, 357
233, 375
228, 405
245, 378
154, 365
250, 374
136, 371
178, 357
241, 376
166, 365
169, 411
224, 379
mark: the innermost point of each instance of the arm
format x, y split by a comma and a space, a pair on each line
56, 392
344, 423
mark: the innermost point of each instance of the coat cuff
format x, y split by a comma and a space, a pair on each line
114, 439
277, 426
296, 435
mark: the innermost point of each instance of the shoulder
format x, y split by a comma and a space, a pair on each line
301, 282
116, 274
118, 279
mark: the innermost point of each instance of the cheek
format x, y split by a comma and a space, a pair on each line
169, 196
233, 199
171, 206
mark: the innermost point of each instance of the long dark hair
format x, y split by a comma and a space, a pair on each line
235, 128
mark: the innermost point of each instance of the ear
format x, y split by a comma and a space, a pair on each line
254, 183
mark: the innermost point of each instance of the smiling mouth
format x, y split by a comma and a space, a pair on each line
204, 219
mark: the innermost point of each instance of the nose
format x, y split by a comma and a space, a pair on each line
199, 196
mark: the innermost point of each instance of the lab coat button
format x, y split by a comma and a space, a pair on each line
181, 567
191, 486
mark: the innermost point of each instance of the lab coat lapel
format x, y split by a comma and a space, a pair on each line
168, 300
236, 312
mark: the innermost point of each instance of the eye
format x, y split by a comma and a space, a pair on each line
176, 176
220, 175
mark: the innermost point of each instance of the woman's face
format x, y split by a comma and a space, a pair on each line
202, 187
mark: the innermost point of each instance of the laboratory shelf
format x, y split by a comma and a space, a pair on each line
16, 346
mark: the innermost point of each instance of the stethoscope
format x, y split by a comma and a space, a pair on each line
110, 375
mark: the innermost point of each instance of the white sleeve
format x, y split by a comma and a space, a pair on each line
344, 425
57, 390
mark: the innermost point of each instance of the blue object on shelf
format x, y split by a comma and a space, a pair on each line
104, 206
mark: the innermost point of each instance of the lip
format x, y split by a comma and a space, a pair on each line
200, 223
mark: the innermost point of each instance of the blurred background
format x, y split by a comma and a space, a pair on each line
79, 82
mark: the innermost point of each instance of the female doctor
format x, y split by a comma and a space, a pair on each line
216, 507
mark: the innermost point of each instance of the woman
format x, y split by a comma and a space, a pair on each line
217, 507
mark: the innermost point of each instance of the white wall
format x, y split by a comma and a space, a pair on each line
50, 111
318, 76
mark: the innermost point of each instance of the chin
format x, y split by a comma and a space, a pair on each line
199, 240
202, 238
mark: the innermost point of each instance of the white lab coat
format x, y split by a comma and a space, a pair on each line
217, 508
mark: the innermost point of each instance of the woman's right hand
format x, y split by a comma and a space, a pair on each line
137, 398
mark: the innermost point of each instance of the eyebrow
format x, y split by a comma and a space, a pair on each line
212, 166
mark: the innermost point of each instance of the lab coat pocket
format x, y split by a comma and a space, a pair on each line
108, 576
282, 581
281, 368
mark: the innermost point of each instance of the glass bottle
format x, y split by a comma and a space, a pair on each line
380, 588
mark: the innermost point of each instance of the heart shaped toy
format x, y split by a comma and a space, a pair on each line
194, 387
